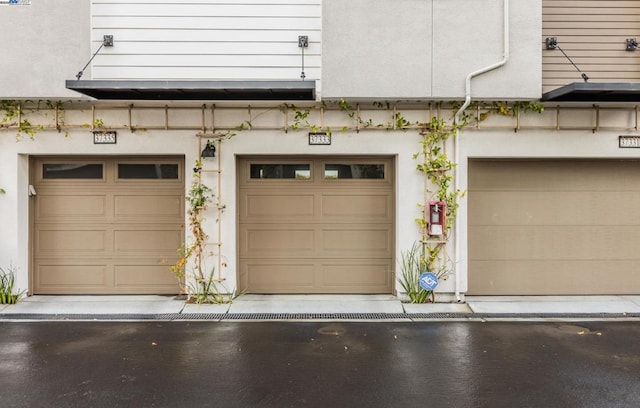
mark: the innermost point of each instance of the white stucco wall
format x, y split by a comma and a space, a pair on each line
376, 49
42, 45
425, 49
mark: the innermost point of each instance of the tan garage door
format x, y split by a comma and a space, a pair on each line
106, 225
554, 227
315, 225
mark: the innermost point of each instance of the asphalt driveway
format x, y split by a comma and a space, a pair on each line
319, 364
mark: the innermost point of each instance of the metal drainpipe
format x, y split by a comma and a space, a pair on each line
467, 102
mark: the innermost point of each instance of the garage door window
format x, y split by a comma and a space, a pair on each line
281, 171
72, 171
353, 171
148, 171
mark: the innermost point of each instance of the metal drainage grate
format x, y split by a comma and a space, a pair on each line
309, 316
315, 316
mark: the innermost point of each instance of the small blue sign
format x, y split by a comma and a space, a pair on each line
428, 281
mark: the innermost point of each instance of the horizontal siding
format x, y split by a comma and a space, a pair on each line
593, 33
206, 39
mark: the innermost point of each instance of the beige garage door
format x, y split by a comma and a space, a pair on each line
106, 225
315, 225
554, 227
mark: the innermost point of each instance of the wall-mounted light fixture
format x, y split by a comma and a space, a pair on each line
107, 41
552, 44
303, 42
632, 44
209, 150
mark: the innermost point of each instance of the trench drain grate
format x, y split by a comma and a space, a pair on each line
309, 316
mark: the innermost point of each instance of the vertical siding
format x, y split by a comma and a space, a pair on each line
593, 34
206, 39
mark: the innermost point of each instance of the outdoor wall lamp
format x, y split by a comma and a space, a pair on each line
303, 42
632, 44
209, 150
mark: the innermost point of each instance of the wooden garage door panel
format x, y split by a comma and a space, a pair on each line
327, 276
70, 206
329, 233
355, 277
277, 241
141, 276
554, 242
554, 175
57, 276
555, 208
356, 241
74, 240
356, 206
148, 206
146, 240
276, 207
610, 277
554, 227
270, 277
106, 235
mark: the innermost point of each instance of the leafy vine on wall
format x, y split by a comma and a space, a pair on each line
434, 164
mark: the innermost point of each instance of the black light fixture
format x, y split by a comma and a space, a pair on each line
632, 44
209, 150
303, 42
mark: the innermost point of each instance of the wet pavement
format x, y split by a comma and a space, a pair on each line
319, 364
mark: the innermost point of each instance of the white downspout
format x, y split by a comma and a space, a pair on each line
467, 102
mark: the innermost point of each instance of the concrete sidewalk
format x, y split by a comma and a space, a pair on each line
42, 306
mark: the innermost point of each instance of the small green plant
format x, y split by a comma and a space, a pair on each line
208, 289
9, 294
412, 264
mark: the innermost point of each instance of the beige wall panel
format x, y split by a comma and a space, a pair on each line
148, 206
147, 240
70, 206
356, 206
71, 275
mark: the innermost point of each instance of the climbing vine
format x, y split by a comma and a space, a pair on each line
13, 117
197, 280
13, 114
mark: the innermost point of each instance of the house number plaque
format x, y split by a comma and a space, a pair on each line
100, 137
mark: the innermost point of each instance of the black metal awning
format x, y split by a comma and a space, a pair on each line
595, 92
196, 90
